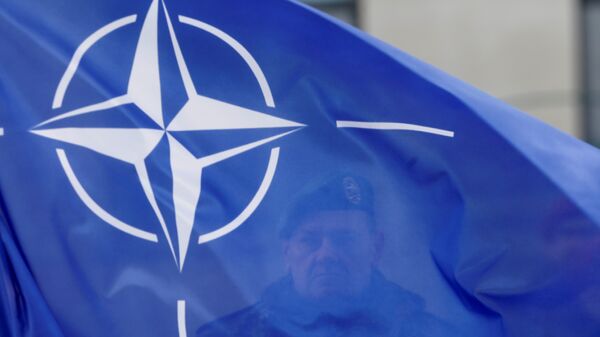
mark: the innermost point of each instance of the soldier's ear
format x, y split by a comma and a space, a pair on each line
285, 250
378, 243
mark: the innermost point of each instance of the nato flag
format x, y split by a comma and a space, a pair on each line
254, 168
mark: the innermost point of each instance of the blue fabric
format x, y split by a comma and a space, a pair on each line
490, 230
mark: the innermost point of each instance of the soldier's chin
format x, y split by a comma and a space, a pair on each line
329, 288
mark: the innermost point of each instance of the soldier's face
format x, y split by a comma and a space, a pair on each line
331, 255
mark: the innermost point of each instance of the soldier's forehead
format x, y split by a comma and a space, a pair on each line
335, 219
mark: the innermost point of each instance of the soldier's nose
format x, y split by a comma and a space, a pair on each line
326, 250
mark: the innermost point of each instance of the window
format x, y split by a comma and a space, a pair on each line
591, 70
344, 10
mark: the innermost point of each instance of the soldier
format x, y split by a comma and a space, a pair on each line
331, 246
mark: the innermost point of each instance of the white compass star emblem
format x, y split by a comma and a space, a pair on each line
134, 145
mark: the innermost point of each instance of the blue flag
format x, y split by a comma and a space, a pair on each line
254, 168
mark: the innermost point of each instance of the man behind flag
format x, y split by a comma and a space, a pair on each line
150, 148
331, 245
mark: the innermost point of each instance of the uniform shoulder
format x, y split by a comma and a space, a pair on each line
237, 324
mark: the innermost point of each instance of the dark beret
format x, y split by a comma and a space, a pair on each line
341, 191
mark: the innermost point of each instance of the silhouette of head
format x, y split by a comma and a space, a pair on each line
330, 240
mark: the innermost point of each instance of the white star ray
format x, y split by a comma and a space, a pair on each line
128, 145
187, 183
108, 104
144, 81
142, 173
220, 156
203, 113
183, 69
187, 175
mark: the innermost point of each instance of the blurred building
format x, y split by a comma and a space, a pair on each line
542, 56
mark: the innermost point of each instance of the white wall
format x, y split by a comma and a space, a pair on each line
522, 51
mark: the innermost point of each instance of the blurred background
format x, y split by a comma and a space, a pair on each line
542, 56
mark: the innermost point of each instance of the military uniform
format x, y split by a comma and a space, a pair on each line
383, 310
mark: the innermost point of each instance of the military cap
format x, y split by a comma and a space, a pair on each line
335, 192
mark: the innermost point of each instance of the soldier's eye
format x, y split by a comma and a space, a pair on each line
309, 241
